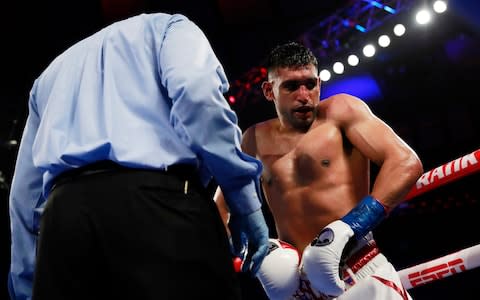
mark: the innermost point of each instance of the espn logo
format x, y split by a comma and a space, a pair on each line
437, 272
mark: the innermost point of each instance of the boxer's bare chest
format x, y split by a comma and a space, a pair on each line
297, 160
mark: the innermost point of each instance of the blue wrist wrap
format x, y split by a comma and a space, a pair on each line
365, 216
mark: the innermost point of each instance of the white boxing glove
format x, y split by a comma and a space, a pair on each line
321, 259
278, 273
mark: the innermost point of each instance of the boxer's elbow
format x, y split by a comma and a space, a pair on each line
413, 167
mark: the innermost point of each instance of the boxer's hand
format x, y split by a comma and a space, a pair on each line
366, 216
279, 274
249, 232
321, 259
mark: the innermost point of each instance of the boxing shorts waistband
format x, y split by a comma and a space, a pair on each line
179, 176
358, 252
361, 257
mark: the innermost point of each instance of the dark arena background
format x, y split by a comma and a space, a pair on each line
424, 84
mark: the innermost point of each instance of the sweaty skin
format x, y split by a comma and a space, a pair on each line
316, 156
309, 180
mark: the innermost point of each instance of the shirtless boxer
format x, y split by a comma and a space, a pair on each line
316, 181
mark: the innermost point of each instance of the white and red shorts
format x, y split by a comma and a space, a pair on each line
366, 272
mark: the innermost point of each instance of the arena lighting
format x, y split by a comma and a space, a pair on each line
423, 17
384, 40
353, 60
329, 37
382, 6
338, 67
361, 85
439, 6
338, 35
399, 30
369, 50
325, 75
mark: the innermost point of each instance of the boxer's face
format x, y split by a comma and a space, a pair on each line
296, 93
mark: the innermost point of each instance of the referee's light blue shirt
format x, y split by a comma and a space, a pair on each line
145, 92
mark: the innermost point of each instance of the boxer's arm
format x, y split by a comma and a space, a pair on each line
365, 216
222, 208
399, 170
399, 165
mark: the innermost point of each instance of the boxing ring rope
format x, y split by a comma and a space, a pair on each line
442, 267
449, 172
457, 262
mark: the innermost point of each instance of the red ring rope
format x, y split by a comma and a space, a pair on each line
449, 172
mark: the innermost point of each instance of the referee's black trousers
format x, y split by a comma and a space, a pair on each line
132, 234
